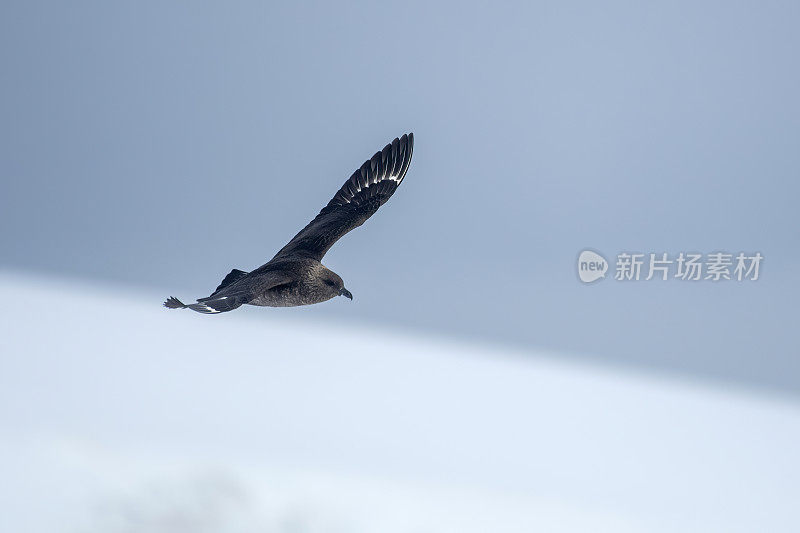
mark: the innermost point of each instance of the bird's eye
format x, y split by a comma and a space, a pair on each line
330, 282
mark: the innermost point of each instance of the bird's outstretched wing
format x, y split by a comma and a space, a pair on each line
367, 189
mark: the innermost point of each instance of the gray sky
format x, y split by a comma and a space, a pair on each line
162, 144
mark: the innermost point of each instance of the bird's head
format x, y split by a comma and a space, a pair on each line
333, 284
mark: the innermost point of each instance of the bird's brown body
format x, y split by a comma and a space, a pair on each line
310, 283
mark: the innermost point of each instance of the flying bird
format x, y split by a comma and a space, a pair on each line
296, 276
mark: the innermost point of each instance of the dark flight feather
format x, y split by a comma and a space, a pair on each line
234, 275
367, 189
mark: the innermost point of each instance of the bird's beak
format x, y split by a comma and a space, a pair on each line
345, 292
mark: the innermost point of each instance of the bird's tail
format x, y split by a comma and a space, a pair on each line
174, 303
208, 306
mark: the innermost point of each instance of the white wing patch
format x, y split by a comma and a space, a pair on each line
392, 165
373, 181
203, 308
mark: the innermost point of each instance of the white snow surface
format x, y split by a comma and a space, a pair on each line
117, 415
